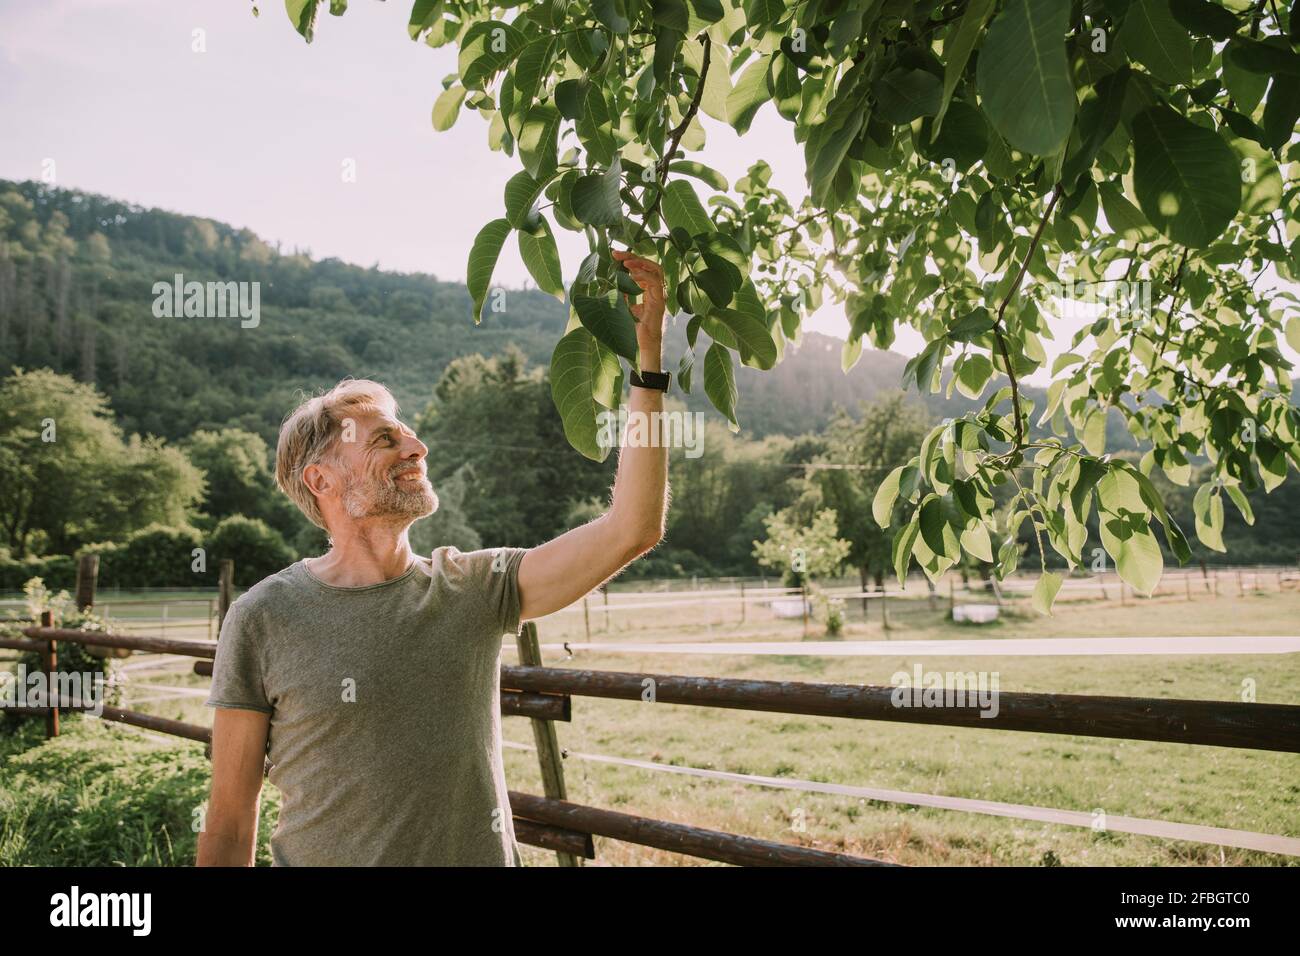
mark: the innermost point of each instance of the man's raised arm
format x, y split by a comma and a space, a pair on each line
554, 575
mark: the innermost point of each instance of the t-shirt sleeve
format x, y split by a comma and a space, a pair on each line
497, 570
237, 671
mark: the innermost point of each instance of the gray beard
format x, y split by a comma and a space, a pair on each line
383, 498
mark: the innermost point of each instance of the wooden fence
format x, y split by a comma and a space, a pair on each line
544, 694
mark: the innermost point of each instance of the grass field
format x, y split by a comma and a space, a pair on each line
1213, 786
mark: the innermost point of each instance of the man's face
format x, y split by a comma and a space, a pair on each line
383, 470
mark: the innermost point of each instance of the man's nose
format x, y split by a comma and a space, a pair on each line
415, 448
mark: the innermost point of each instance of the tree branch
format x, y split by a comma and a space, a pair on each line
999, 328
675, 139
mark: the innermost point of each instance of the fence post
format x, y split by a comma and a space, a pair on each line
87, 577
51, 681
604, 591
586, 617
742, 597
884, 609
548, 745
803, 601
225, 588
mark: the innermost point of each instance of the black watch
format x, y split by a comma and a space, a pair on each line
656, 380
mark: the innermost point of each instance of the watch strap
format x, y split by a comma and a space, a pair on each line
655, 380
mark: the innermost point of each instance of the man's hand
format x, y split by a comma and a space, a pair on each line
554, 575
649, 312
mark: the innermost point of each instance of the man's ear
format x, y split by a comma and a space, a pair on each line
319, 480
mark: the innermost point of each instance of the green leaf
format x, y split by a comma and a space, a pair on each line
1134, 549
423, 14
964, 139
904, 94
1098, 117
1124, 218
747, 321
1093, 433
1185, 176
904, 542
534, 61
447, 106
671, 14
976, 542
610, 322
971, 325
706, 174
710, 11
1155, 39
749, 93
483, 261
595, 197
581, 369
542, 258
1024, 77
957, 47
760, 12
933, 524
974, 375
1045, 591
486, 49
682, 209
720, 382
612, 13
882, 505
522, 191
667, 43
595, 125
1242, 502
538, 139
1261, 180
1281, 111
302, 14
1205, 19
1207, 507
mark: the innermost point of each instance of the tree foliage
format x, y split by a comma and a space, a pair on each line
965, 162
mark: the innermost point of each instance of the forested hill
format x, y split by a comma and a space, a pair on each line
76, 295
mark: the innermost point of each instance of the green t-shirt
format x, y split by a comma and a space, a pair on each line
385, 737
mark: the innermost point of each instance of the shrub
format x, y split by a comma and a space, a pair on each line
255, 547
97, 797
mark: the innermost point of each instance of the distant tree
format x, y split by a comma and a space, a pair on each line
256, 549
448, 525
66, 475
882, 437
802, 550
497, 415
235, 470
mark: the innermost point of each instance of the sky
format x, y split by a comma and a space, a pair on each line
255, 129
200, 108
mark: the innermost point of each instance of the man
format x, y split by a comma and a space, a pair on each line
371, 674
